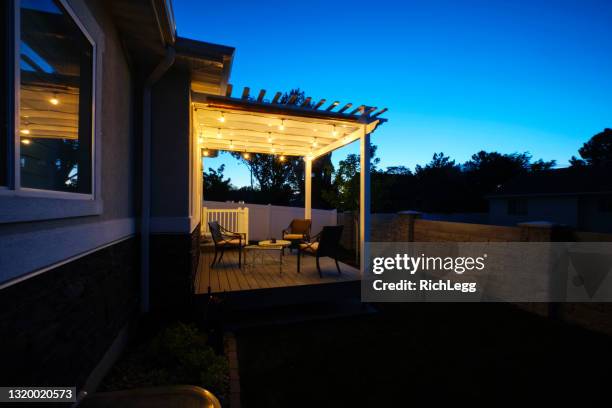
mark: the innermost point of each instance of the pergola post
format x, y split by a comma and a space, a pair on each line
364, 198
308, 188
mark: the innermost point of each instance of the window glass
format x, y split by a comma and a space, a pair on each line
4, 79
56, 62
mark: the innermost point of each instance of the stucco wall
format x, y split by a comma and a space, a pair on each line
170, 149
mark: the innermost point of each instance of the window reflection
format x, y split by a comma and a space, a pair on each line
56, 62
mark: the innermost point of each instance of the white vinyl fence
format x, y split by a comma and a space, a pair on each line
268, 221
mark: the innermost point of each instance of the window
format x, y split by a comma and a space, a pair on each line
55, 99
517, 206
4, 96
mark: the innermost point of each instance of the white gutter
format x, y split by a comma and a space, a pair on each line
145, 216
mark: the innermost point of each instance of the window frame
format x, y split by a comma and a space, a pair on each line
19, 203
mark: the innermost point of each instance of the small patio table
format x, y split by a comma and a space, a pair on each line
264, 246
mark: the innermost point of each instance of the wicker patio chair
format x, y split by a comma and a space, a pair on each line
325, 243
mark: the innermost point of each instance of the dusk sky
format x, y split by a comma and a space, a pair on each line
457, 76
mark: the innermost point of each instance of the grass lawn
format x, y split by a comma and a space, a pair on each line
424, 354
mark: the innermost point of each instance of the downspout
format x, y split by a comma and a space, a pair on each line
145, 216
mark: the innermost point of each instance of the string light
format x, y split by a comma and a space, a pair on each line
54, 100
314, 142
219, 133
282, 125
246, 155
25, 131
334, 132
222, 118
270, 137
25, 141
281, 158
231, 144
273, 149
206, 153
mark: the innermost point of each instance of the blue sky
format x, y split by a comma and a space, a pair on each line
457, 76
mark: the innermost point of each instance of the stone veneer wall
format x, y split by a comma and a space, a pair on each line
174, 265
56, 327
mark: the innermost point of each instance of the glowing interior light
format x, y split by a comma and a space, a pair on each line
282, 125
25, 131
54, 100
222, 118
26, 141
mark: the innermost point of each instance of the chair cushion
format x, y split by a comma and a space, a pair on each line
312, 247
231, 241
293, 236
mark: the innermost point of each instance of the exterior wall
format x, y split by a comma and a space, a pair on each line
590, 216
170, 153
27, 247
69, 285
558, 210
57, 326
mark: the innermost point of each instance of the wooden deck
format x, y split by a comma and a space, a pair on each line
227, 277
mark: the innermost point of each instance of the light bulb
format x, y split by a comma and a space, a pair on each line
206, 153
25, 141
282, 125
201, 140
281, 158
273, 150
222, 118
334, 132
246, 155
231, 144
54, 100
314, 143
270, 137
25, 131
218, 133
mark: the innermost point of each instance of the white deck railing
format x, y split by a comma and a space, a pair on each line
232, 219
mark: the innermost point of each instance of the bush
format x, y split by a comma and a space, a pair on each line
178, 355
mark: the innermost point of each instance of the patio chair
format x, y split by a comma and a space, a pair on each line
224, 239
325, 243
298, 230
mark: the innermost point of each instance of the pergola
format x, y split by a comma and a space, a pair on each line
284, 128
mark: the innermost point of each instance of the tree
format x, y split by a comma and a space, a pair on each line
216, 188
344, 194
596, 152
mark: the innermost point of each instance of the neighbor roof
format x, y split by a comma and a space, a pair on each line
566, 181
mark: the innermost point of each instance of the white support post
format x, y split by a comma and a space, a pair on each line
364, 199
308, 188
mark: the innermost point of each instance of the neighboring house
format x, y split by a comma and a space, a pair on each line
95, 104
580, 198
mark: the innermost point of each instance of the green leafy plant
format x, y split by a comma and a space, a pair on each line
178, 355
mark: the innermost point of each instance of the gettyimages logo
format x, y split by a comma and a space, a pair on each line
489, 272
412, 265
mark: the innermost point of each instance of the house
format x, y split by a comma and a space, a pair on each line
580, 198
106, 114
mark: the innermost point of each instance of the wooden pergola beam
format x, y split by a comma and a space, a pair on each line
318, 105
332, 106
245, 93
261, 95
345, 107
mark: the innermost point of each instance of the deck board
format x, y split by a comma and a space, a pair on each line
228, 277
